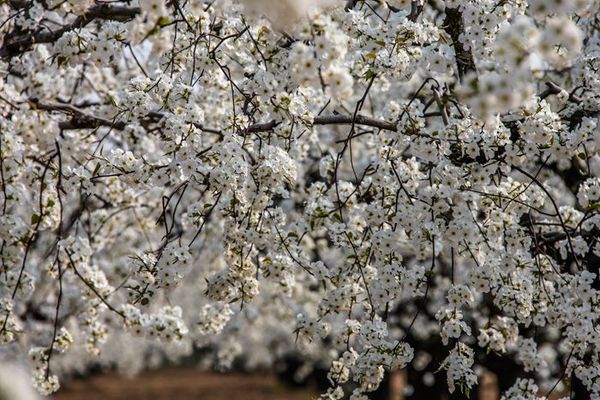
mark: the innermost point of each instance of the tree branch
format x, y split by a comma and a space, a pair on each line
455, 26
84, 120
15, 44
553, 89
358, 120
350, 4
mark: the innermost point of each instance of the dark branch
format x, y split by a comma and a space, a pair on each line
455, 26
358, 120
15, 44
83, 120
350, 4
553, 89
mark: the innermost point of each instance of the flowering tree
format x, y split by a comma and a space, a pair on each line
369, 185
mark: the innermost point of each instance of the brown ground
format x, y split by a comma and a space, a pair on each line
180, 384
191, 384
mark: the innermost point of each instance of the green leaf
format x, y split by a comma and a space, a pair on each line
35, 219
163, 21
594, 206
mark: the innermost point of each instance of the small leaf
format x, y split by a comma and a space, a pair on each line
594, 206
163, 21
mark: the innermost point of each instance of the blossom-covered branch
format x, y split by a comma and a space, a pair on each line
366, 185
